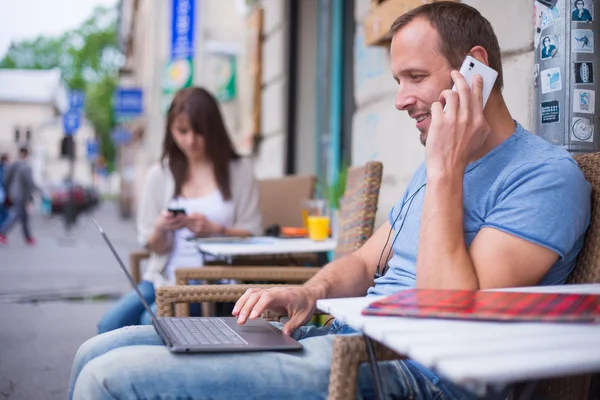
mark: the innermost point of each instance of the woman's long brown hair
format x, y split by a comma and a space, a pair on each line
205, 119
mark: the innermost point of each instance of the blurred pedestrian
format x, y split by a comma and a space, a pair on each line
18, 180
3, 194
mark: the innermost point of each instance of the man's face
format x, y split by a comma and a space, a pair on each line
420, 70
579, 5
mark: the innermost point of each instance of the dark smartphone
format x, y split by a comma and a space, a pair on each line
176, 211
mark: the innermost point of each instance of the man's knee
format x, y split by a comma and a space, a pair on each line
92, 382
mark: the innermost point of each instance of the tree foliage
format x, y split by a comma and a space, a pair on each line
88, 58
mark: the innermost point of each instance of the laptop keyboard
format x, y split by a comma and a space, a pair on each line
204, 331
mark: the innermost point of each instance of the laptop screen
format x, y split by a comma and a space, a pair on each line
124, 268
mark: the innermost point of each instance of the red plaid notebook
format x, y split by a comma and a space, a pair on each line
491, 306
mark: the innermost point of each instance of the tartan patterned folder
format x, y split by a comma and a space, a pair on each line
491, 306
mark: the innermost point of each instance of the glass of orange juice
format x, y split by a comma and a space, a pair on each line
316, 219
318, 227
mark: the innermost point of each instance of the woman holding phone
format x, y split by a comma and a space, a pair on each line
200, 187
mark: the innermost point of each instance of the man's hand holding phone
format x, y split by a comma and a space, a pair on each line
458, 127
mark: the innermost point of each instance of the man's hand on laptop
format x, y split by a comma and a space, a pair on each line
298, 302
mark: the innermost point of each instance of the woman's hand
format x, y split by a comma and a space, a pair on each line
202, 226
168, 222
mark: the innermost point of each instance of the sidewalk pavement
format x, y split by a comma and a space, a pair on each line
51, 299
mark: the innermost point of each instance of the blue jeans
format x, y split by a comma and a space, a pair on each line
129, 310
17, 212
3, 213
133, 363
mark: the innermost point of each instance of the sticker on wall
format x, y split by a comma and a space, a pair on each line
551, 80
544, 16
583, 10
582, 130
584, 73
583, 101
536, 75
550, 112
549, 47
582, 41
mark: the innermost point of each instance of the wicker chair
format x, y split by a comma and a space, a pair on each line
356, 222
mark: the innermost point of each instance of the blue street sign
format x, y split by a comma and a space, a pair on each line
182, 29
127, 103
71, 121
121, 136
76, 99
92, 149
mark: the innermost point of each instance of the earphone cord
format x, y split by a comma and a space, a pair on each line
382, 270
378, 387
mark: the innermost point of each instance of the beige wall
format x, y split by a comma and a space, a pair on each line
270, 161
380, 132
44, 145
21, 115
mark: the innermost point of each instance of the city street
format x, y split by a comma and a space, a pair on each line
51, 297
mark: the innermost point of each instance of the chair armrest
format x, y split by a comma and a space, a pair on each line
279, 274
135, 261
168, 296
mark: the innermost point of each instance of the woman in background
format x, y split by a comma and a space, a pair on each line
201, 173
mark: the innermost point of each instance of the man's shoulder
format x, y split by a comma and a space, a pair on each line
532, 152
537, 161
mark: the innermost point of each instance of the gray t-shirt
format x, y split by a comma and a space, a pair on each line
525, 186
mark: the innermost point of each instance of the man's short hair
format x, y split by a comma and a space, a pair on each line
3, 157
460, 27
24, 151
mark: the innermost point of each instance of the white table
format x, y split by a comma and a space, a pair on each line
263, 245
482, 355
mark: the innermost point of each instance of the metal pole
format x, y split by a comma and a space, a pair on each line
70, 212
336, 76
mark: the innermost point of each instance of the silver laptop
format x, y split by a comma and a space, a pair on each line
204, 335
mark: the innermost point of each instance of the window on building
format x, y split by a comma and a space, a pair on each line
28, 135
17, 135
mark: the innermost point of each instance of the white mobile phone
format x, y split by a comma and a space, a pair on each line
472, 67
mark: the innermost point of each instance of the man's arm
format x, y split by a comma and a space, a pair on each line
352, 275
349, 276
495, 258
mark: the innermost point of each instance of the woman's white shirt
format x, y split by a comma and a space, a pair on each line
184, 252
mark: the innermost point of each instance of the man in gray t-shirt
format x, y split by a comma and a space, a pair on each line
18, 181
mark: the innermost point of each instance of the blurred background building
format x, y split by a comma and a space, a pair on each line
31, 106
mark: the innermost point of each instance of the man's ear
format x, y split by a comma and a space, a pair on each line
480, 54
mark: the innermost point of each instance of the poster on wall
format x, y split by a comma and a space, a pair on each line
550, 112
584, 101
551, 80
583, 73
225, 73
582, 41
582, 130
583, 10
549, 47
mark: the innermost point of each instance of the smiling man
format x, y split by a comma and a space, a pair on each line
491, 206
